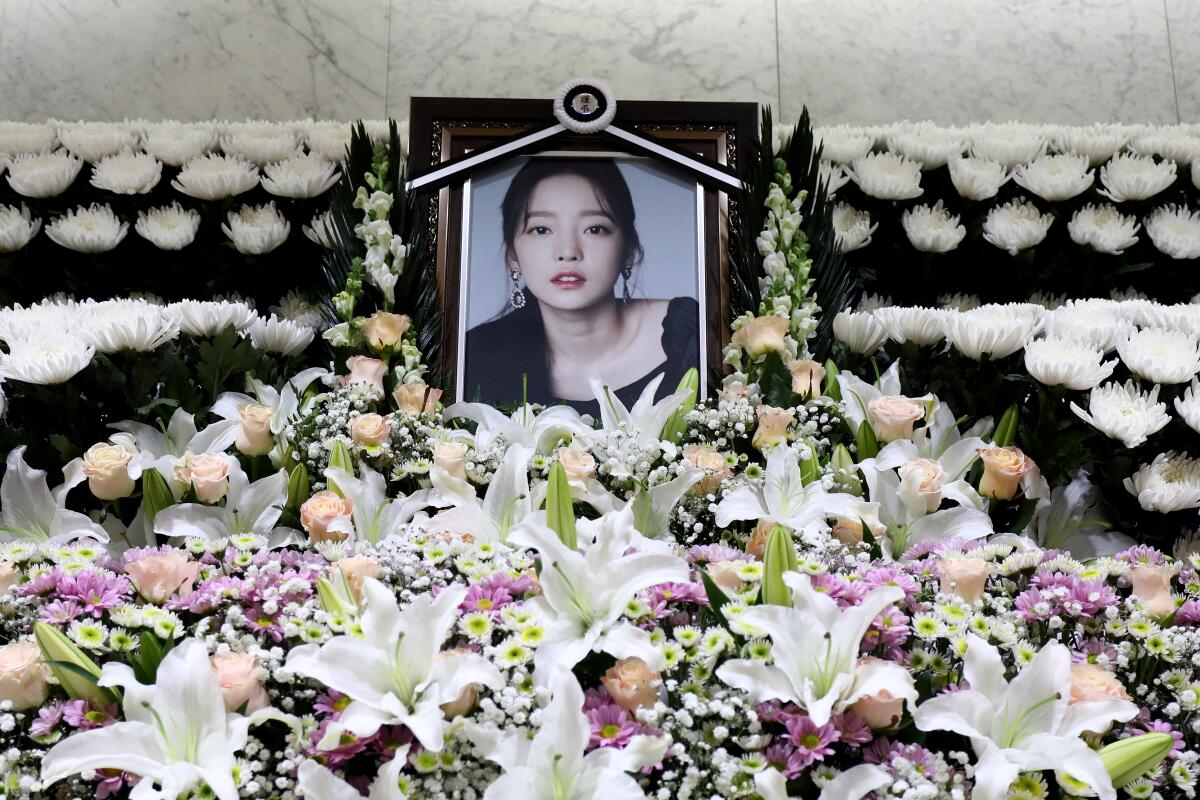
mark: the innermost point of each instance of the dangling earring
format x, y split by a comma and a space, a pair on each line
518, 293
626, 272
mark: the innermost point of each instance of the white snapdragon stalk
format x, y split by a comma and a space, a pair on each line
376, 517
1171, 482
205, 318
921, 326
1103, 228
1161, 355
31, 511
931, 147
249, 508
17, 228
176, 143
554, 763
1066, 362
95, 229
1055, 178
93, 141
1175, 231
540, 431
859, 331
814, 648
887, 176
215, 177
932, 230
1026, 724
43, 174
977, 178
393, 673
1120, 411
854, 783
995, 330
46, 358
1098, 142
1016, 225
1009, 144
300, 176
851, 227
127, 173
176, 732
317, 781
275, 335
170, 227
842, 144
1188, 405
505, 503
256, 229
1128, 177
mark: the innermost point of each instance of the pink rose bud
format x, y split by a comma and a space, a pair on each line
632, 684
714, 466
385, 330
326, 516
356, 570
880, 711
756, 545
893, 416
367, 372
1152, 585
10, 576
725, 575
369, 430
207, 473
158, 577
254, 437
1003, 468
241, 679
416, 398
468, 696
965, 577
807, 377
452, 457
24, 676
772, 426
577, 463
762, 335
107, 469
921, 483
1090, 683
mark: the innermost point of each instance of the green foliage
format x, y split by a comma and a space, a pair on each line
560, 511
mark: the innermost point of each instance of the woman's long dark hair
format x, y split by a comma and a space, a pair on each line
615, 199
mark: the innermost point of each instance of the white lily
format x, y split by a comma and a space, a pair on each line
783, 498
163, 449
538, 431
552, 766
1071, 520
1027, 724
857, 393
644, 422
283, 404
652, 506
376, 516
31, 511
852, 784
176, 732
505, 502
584, 594
249, 508
392, 673
318, 782
814, 645
902, 511
941, 441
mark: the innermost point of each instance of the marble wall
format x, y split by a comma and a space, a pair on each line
858, 61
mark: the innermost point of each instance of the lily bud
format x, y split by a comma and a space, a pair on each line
560, 511
75, 672
810, 466
833, 389
868, 445
298, 488
674, 429
156, 495
779, 558
1006, 429
340, 457
1130, 759
845, 472
334, 595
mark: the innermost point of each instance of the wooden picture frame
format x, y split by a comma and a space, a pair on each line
445, 129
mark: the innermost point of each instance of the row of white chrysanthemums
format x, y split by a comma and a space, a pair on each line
1125, 163
1065, 346
52, 341
218, 160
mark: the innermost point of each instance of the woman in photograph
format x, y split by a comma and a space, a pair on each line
569, 236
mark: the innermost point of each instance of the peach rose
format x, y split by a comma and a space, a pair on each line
1152, 585
369, 430
468, 696
384, 329
921, 483
577, 463
325, 510
724, 574
158, 577
23, 675
107, 469
772, 426
848, 530
733, 391
207, 473
1090, 683
9, 576
806, 377
254, 437
1003, 468
411, 398
713, 464
756, 545
762, 335
452, 457
366, 372
356, 570
892, 416
965, 577
241, 679
880, 711
632, 684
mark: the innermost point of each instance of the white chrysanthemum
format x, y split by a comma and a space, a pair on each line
177, 143
293, 306
1135, 307
1171, 482
93, 141
887, 176
1048, 300
1120, 411
95, 229
300, 176
932, 230
1103, 228
170, 227
994, 330
255, 230
833, 175
1172, 144
215, 177
116, 325
45, 358
205, 318
1132, 177
262, 147
26, 137
1055, 178
43, 174
977, 178
958, 302
859, 331
277, 335
1180, 316
1098, 142
872, 302
17, 228
1175, 231
378, 130
931, 147
1188, 406
1161, 355
52, 314
1016, 225
1095, 321
851, 227
127, 173
1063, 362
843, 145
921, 326
329, 139
1009, 144
320, 230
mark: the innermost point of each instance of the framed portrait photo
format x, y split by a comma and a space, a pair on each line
578, 264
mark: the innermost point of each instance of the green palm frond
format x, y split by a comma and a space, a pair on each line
744, 260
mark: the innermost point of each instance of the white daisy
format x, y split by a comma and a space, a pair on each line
261, 146
833, 176
329, 139
293, 306
1175, 231
932, 230
116, 325
1161, 355
1096, 321
843, 145
887, 176
958, 302
1129, 177
1010, 144
26, 137
1103, 228
931, 147
46, 358
320, 230
1063, 362
1120, 411
95, 229
1170, 143
177, 143
1098, 142
1016, 225
1188, 405
1171, 482
205, 318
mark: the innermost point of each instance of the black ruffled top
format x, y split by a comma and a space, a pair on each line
500, 351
